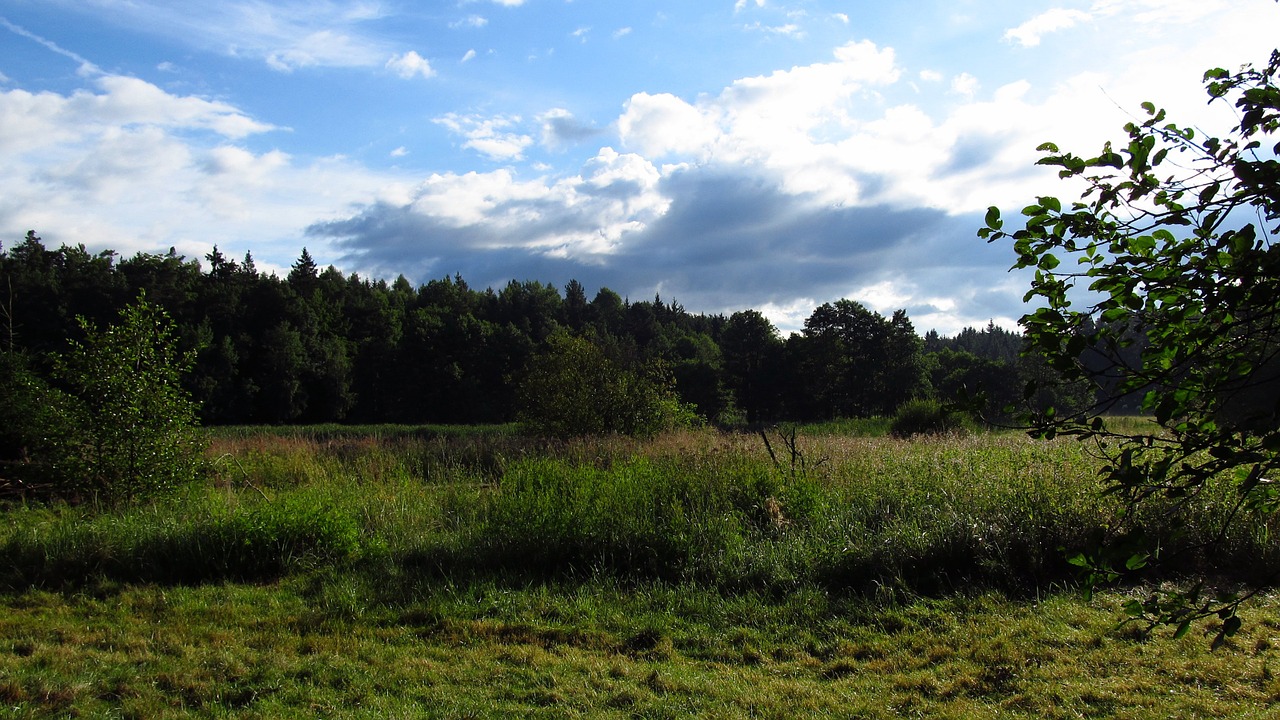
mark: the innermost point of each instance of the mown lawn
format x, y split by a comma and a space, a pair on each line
401, 574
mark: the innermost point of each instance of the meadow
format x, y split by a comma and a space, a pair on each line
831, 571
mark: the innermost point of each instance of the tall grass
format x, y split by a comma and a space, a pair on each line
861, 514
195, 540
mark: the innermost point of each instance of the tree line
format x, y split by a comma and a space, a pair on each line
319, 346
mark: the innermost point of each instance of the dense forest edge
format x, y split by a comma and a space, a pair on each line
318, 346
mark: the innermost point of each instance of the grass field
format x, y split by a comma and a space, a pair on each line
433, 572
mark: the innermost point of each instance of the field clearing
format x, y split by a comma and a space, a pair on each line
454, 574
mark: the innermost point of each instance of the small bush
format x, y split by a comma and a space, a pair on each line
925, 417
113, 424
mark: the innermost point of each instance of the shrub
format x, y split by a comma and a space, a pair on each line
575, 389
135, 423
34, 423
925, 417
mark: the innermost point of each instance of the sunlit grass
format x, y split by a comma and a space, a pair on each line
407, 575
594, 649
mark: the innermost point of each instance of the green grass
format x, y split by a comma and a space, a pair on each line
304, 648
484, 574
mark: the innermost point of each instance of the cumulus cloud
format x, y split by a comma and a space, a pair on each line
475, 220
663, 124
488, 136
561, 128
409, 65
803, 178
128, 166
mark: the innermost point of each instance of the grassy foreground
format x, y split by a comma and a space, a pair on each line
401, 574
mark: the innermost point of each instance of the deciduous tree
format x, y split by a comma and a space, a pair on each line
1171, 242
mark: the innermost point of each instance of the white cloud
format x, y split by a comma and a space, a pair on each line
487, 136
582, 218
1029, 33
399, 152
930, 76
740, 4
324, 48
409, 65
287, 35
86, 67
776, 121
663, 124
965, 84
621, 32
131, 167
473, 21
788, 30
469, 56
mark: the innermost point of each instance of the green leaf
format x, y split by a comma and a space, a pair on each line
993, 218
1231, 626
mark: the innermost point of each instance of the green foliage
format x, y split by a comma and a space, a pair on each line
135, 423
574, 388
1173, 238
925, 417
633, 518
34, 425
193, 540
853, 362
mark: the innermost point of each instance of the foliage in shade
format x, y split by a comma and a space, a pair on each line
574, 388
319, 346
925, 417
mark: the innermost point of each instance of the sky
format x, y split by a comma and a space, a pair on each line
723, 154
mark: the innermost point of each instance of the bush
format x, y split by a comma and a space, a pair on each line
925, 417
574, 389
135, 424
34, 422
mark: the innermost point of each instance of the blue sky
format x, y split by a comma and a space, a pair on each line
727, 154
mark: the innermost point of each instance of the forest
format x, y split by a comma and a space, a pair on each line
319, 346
